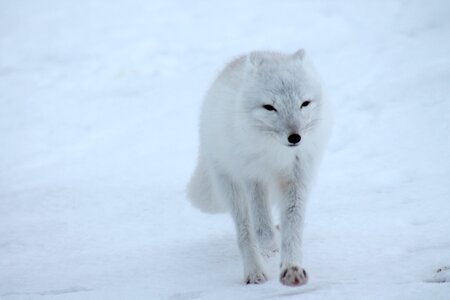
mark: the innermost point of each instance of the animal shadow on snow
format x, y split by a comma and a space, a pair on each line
208, 260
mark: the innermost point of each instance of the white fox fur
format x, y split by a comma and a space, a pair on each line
253, 115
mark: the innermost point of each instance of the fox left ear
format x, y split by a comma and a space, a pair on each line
299, 55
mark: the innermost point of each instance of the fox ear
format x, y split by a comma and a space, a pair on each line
256, 59
299, 55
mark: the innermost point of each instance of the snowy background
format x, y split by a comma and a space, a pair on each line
99, 106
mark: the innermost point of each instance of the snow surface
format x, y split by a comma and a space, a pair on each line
99, 105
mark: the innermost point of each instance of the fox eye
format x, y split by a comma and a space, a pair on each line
305, 104
269, 107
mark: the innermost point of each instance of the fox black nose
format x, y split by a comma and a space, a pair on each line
294, 138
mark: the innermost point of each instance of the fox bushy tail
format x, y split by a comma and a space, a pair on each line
201, 191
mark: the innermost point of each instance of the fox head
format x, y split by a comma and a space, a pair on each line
282, 96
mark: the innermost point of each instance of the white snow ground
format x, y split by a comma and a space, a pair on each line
99, 104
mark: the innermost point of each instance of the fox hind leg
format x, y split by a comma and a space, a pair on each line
262, 218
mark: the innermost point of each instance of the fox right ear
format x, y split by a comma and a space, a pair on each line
256, 59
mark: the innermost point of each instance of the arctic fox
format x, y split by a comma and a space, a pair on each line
263, 126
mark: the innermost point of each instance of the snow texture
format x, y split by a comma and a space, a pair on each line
99, 107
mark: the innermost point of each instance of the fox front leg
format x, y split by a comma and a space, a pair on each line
292, 217
237, 199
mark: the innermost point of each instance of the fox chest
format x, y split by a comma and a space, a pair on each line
263, 164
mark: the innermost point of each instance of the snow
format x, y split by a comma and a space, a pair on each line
99, 104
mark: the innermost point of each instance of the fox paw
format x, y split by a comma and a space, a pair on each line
293, 276
257, 277
269, 249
